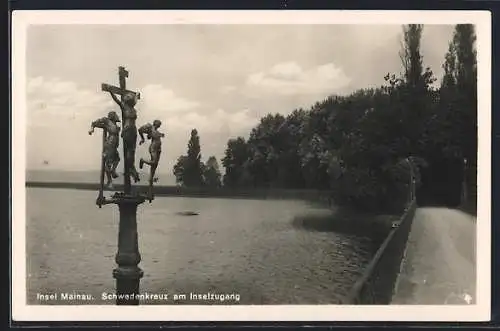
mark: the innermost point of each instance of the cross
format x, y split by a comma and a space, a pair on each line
122, 75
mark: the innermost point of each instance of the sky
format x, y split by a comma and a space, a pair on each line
219, 79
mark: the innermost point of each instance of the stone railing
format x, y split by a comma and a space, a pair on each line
378, 282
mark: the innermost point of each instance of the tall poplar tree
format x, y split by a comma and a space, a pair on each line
189, 169
464, 40
415, 93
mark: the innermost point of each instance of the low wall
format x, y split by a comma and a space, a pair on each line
377, 284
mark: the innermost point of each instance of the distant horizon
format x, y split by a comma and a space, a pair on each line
76, 170
98, 170
86, 176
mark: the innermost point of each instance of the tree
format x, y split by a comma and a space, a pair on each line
384, 126
443, 130
460, 93
410, 54
234, 161
464, 40
449, 80
179, 170
211, 173
266, 142
415, 92
189, 169
290, 173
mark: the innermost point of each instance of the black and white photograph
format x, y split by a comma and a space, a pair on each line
251, 165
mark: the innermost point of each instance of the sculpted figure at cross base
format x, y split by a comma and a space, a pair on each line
151, 130
129, 132
110, 147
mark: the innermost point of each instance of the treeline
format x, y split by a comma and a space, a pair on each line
358, 146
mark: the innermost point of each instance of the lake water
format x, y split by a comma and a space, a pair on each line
234, 246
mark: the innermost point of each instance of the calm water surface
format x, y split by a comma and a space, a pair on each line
245, 247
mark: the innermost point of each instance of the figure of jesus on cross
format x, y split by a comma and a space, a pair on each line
129, 131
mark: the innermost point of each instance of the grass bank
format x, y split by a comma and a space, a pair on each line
346, 220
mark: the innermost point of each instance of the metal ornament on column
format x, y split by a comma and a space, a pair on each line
127, 274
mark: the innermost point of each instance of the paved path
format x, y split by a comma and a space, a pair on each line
440, 263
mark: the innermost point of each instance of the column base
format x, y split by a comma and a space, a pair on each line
127, 285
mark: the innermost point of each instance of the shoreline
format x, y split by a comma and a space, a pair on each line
201, 192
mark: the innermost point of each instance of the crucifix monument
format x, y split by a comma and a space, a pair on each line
127, 274
127, 102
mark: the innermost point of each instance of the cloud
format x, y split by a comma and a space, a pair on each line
227, 89
59, 114
286, 70
219, 121
156, 99
289, 78
54, 102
